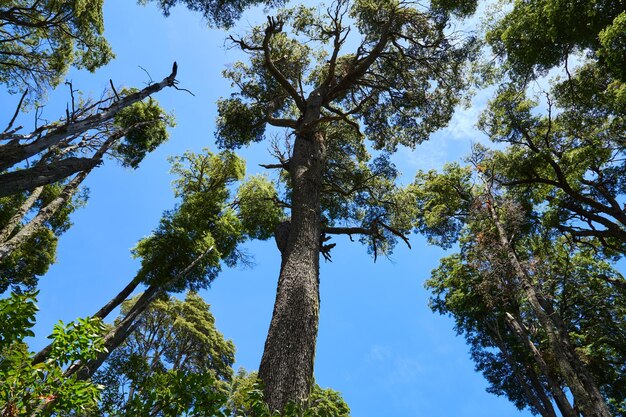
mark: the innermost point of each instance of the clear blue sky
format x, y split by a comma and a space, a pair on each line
379, 344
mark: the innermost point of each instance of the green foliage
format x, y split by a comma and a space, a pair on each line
41, 39
175, 363
246, 399
216, 13
541, 34
201, 224
256, 202
17, 316
21, 269
442, 201
147, 125
398, 86
403, 106
613, 50
42, 389
206, 224
569, 162
239, 125
479, 288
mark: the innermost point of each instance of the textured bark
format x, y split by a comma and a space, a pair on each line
586, 393
28, 179
286, 368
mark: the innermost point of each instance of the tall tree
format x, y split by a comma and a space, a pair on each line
399, 82
513, 288
567, 151
174, 363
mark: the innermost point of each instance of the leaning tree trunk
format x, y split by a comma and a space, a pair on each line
584, 389
286, 368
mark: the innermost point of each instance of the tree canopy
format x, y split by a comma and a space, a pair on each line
40, 40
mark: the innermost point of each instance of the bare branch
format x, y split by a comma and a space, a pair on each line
17, 111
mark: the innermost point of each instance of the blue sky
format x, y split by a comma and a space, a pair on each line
379, 344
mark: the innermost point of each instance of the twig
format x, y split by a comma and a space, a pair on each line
114, 90
17, 111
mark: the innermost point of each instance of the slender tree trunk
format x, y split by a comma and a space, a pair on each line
128, 324
102, 313
585, 391
116, 336
118, 299
55, 205
533, 390
20, 214
555, 388
286, 368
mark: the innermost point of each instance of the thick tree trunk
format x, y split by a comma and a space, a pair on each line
586, 393
286, 368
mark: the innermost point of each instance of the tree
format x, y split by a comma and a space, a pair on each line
513, 288
400, 84
174, 363
37, 197
567, 151
570, 159
40, 40
187, 249
537, 36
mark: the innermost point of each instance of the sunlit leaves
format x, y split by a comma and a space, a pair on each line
259, 207
176, 362
147, 125
42, 389
41, 40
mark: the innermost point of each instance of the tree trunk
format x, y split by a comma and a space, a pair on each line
533, 390
118, 335
286, 368
555, 388
28, 179
19, 215
14, 152
586, 393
